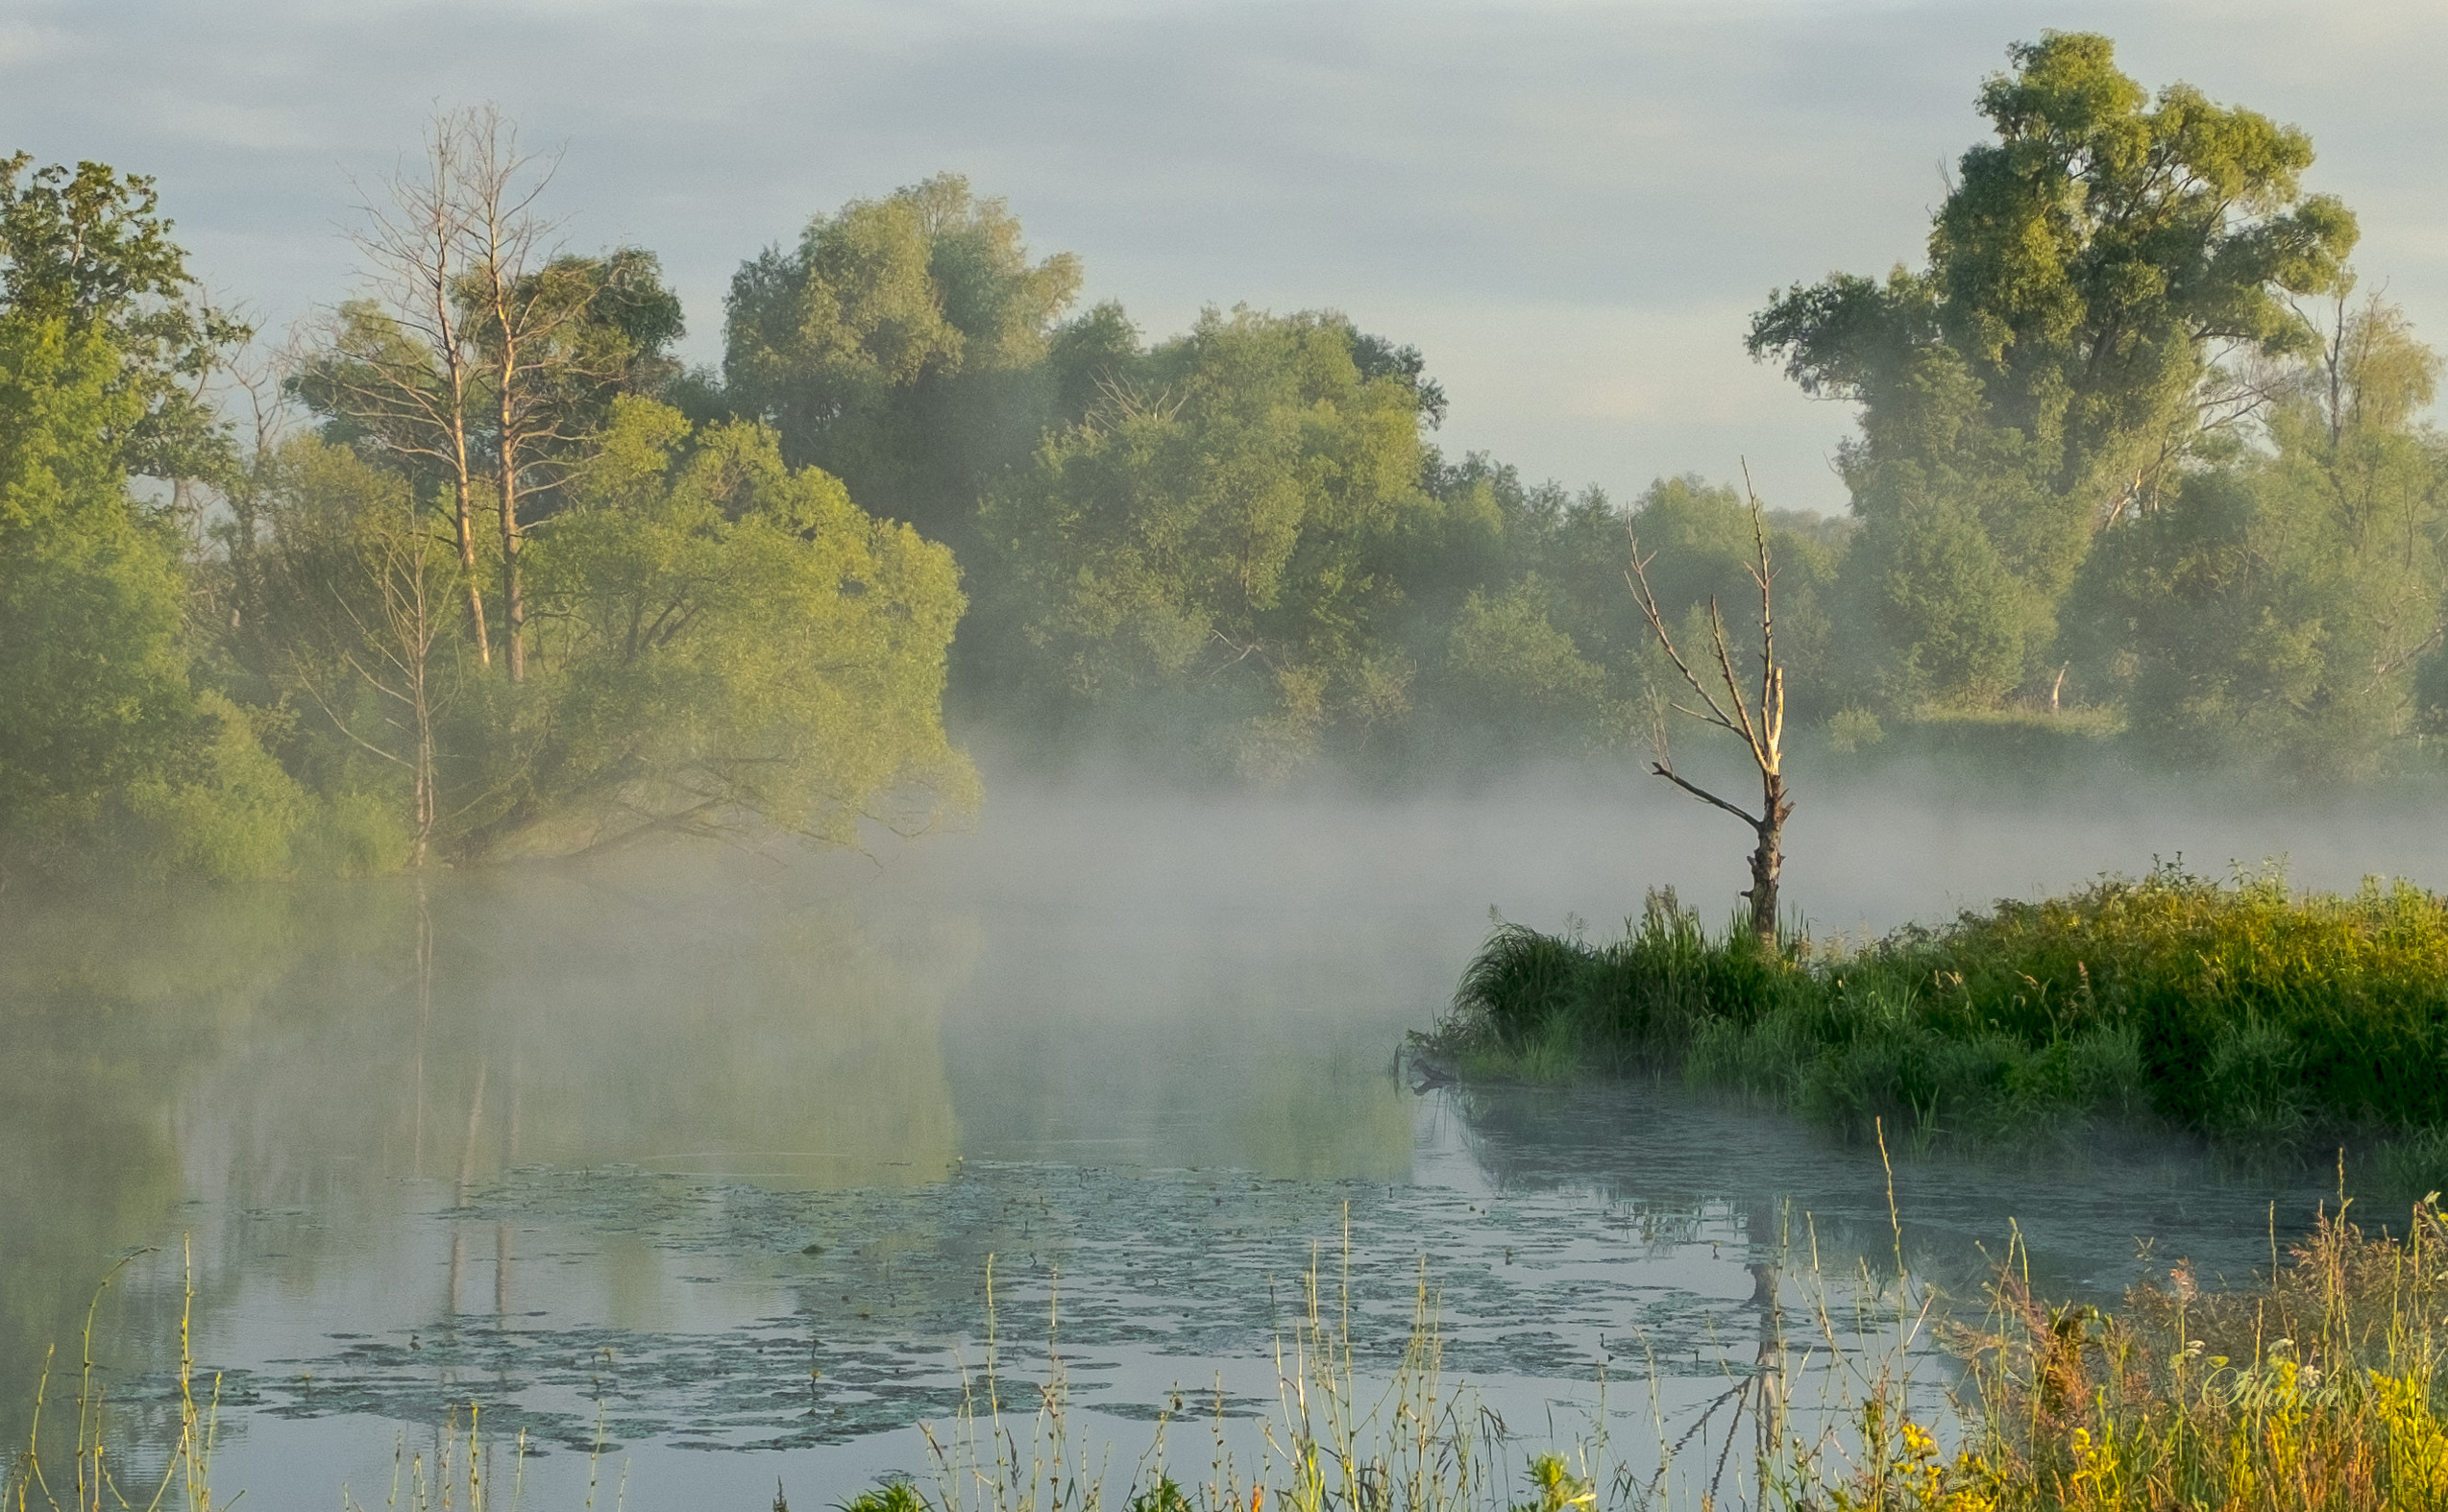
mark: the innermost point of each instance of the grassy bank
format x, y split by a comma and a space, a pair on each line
2257, 1015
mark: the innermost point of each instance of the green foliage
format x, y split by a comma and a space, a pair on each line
1226, 518
893, 1495
223, 809
2054, 364
1162, 1495
2275, 611
106, 752
1509, 662
899, 345
89, 592
734, 637
2243, 1011
88, 248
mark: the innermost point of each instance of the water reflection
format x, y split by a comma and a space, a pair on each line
712, 1152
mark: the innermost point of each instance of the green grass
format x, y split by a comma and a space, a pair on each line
2318, 1386
2265, 1018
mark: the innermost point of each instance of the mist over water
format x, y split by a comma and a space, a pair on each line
654, 1137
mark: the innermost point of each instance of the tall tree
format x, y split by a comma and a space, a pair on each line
2274, 610
530, 314
2061, 354
486, 357
105, 750
400, 366
1219, 537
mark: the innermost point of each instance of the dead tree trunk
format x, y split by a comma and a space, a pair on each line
415, 398
527, 307
1757, 719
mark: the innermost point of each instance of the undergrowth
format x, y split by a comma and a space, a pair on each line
2259, 1016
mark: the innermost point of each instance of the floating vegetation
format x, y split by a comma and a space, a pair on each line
2316, 1385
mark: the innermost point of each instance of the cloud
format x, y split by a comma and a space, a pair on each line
1572, 206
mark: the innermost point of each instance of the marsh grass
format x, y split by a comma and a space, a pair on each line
2264, 1019
93, 1479
2315, 1386
2318, 1389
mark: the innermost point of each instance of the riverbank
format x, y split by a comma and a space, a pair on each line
2271, 1022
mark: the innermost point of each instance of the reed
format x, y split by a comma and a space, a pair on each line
2315, 1386
2318, 1389
92, 1481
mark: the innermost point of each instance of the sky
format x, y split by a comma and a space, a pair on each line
1570, 208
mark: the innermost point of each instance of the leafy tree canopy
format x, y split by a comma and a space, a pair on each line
2086, 267
89, 247
899, 345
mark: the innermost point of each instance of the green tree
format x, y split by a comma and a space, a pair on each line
1509, 667
901, 346
89, 595
735, 643
1219, 540
105, 750
2058, 360
89, 247
2276, 609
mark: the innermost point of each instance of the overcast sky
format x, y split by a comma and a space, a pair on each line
1571, 208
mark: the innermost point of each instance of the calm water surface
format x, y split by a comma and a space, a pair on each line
703, 1157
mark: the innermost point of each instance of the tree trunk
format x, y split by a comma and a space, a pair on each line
463, 523
1767, 859
508, 444
513, 604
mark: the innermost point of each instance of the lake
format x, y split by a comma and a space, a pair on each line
689, 1164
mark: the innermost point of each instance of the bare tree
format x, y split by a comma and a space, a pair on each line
477, 355
1758, 720
531, 306
415, 395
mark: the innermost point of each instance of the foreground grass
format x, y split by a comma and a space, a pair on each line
2319, 1390
2315, 1387
2259, 1016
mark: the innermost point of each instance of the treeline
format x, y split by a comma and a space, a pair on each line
490, 572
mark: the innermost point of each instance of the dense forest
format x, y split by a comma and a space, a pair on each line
471, 567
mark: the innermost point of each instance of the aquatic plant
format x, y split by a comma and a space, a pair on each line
2316, 1385
92, 1479
2242, 1009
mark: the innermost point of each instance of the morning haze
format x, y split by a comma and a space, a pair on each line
1412, 758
